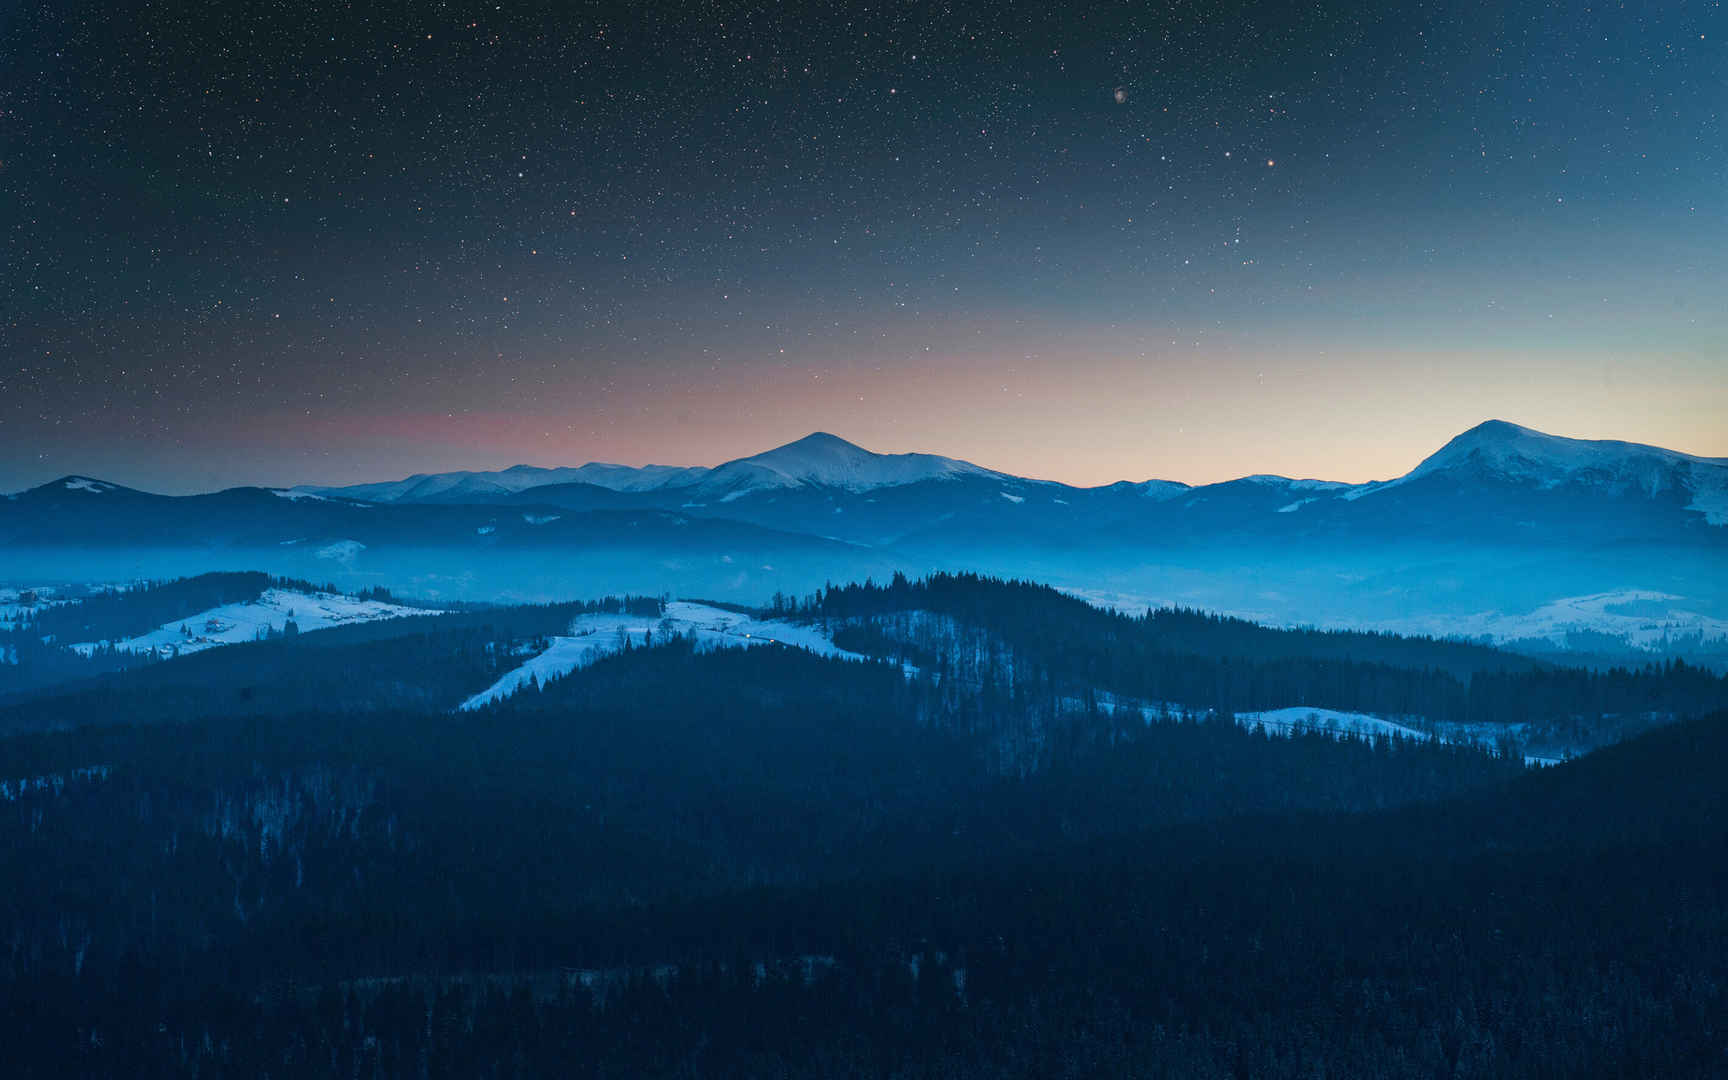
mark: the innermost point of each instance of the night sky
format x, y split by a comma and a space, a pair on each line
309, 242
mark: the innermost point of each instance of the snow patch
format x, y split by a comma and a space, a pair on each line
84, 483
341, 550
1016, 499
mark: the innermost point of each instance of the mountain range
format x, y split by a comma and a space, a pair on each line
1495, 455
1502, 519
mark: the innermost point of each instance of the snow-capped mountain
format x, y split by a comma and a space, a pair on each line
818, 460
1504, 454
1495, 456
823, 460
1493, 478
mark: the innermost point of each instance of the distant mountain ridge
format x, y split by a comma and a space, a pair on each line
1496, 484
1500, 522
1495, 451
457, 486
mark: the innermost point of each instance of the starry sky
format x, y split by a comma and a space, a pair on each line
279, 242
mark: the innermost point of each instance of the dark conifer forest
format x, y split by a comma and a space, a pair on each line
1003, 834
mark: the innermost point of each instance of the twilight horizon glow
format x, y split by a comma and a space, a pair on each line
267, 246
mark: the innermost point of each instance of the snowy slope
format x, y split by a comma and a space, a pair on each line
824, 460
231, 624
593, 637
1640, 618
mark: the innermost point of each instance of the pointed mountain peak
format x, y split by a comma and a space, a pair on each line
824, 440
1499, 452
823, 460
1499, 433
816, 447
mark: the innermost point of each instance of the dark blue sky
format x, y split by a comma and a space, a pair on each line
275, 242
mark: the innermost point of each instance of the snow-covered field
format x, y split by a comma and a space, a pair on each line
1644, 620
592, 637
1640, 618
1296, 716
234, 623
1332, 721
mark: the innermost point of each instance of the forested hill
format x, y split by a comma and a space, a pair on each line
1041, 617
36, 644
429, 661
1042, 641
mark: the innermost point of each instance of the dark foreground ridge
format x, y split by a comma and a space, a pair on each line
294, 858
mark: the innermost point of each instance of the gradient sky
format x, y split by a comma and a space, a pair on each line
280, 242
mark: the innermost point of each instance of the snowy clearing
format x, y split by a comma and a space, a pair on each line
231, 624
593, 637
1296, 716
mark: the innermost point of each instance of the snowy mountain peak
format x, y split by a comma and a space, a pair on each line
1507, 451
823, 460
1500, 452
